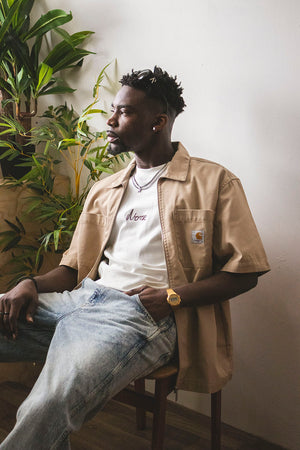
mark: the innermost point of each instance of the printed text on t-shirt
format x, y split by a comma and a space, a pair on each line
133, 216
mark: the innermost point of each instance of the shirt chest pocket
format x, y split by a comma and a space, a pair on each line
194, 235
91, 232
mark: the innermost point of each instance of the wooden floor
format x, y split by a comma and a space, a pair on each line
114, 428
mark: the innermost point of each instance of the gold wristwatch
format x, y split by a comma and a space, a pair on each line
173, 299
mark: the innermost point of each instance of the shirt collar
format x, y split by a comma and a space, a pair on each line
177, 168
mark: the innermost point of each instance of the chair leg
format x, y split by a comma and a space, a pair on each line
216, 420
139, 386
159, 413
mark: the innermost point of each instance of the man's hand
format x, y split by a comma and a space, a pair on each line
23, 296
154, 300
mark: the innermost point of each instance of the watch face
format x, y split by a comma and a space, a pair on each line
174, 299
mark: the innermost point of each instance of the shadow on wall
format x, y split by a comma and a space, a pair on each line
262, 395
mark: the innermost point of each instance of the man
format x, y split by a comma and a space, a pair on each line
167, 240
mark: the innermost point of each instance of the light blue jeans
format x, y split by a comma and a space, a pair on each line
95, 341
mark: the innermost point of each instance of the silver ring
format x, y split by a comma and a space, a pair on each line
6, 313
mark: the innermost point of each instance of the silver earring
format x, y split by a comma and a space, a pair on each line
154, 129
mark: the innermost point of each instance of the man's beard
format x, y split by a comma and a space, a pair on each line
120, 148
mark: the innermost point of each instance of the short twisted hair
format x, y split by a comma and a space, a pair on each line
157, 84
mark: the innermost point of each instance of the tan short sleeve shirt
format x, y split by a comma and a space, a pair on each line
207, 226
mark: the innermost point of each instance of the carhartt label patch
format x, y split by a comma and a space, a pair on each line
198, 237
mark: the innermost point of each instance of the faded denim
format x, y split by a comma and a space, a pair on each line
96, 340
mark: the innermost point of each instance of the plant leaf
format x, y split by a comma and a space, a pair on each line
20, 51
99, 80
48, 21
35, 51
25, 8
70, 58
13, 226
56, 236
20, 225
6, 154
45, 74
11, 244
63, 48
65, 35
57, 90
9, 18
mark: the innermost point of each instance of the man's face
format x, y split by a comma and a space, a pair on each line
132, 120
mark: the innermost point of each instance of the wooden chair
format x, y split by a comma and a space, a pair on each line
165, 380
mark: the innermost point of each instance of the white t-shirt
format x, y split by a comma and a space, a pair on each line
134, 253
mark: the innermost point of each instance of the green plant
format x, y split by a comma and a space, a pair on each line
64, 136
24, 75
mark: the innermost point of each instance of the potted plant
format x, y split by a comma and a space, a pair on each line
24, 75
64, 136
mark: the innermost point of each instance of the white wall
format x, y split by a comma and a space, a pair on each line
238, 61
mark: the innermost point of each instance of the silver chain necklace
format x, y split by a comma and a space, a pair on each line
149, 184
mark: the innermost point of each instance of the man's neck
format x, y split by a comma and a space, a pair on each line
159, 155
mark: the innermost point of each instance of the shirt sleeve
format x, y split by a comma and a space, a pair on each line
237, 244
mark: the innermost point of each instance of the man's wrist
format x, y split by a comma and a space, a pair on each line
173, 298
29, 277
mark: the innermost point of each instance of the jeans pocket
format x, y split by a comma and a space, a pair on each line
144, 310
94, 298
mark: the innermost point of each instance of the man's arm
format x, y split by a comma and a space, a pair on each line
25, 296
62, 278
219, 287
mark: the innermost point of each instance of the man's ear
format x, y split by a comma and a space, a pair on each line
160, 122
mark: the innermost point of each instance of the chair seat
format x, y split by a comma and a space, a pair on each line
163, 372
